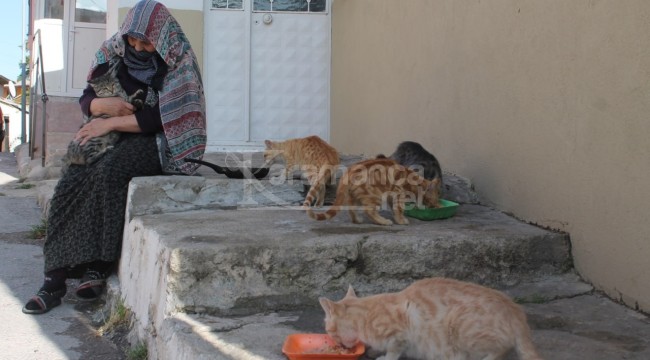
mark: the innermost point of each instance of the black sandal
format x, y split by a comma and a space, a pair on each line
44, 301
91, 286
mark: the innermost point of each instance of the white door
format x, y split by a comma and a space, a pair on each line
266, 71
87, 31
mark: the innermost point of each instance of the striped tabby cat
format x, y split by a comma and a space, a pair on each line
317, 159
435, 318
106, 85
369, 184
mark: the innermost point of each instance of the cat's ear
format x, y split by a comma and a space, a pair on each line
351, 293
268, 143
326, 304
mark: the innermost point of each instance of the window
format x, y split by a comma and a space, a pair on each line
290, 5
90, 11
53, 9
227, 4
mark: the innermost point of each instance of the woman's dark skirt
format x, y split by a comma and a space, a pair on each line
86, 215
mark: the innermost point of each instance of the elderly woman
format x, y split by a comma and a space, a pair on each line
86, 216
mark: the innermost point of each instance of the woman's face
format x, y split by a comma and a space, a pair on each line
141, 45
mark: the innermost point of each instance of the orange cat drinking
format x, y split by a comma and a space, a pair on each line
435, 318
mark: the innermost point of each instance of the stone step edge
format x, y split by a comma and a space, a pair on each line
260, 336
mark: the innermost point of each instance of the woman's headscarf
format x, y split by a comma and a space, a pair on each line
181, 99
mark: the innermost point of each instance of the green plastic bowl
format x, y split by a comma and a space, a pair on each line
446, 210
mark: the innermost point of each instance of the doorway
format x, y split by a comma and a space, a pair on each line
87, 31
267, 71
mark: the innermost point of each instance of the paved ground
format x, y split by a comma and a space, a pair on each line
64, 333
567, 324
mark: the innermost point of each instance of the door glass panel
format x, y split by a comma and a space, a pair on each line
90, 11
290, 5
53, 9
227, 4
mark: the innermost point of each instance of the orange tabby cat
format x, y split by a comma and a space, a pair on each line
368, 184
317, 159
434, 318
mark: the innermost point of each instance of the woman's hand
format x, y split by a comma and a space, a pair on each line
97, 127
110, 107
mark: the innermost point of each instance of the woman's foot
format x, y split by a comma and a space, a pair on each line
44, 301
91, 286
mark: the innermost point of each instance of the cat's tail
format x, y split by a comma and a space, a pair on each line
341, 198
313, 194
525, 347
319, 180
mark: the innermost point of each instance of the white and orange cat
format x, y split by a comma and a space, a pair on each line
371, 184
315, 158
435, 318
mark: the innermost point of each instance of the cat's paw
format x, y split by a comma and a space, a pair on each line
92, 158
139, 104
382, 221
402, 221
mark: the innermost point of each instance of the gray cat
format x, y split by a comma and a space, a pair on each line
106, 85
416, 157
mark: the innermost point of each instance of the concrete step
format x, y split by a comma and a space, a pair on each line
214, 268
223, 247
242, 261
568, 320
576, 325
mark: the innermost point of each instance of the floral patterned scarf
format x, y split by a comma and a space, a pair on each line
181, 99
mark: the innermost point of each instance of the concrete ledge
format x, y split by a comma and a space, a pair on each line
169, 194
273, 250
577, 325
255, 337
260, 336
247, 261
